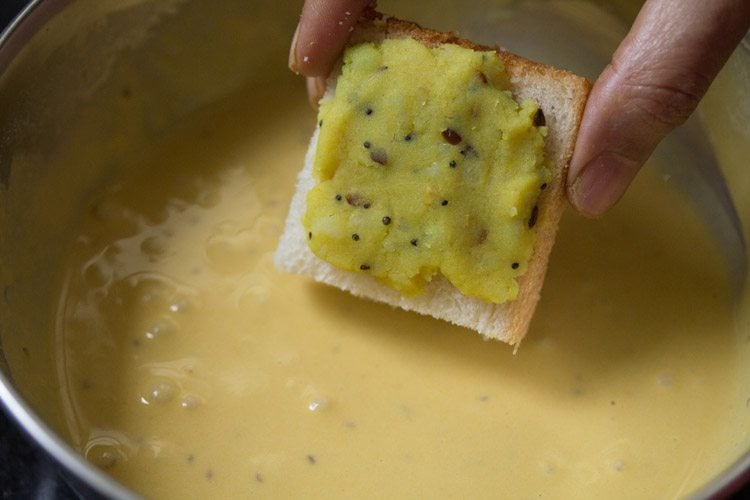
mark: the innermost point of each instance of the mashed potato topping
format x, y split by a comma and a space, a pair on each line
427, 165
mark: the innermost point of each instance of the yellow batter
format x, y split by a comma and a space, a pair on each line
192, 368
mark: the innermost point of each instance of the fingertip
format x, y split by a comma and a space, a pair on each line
322, 33
293, 64
600, 184
656, 78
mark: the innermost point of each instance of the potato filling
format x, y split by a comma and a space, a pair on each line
427, 165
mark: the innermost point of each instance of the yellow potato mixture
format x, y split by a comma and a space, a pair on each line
426, 164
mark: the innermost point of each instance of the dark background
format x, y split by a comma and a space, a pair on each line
25, 470
8, 9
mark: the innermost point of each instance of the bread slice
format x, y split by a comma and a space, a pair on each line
561, 96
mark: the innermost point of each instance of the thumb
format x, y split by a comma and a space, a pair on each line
656, 78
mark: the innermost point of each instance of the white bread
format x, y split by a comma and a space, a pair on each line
561, 95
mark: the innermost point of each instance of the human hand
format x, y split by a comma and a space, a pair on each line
656, 78
321, 35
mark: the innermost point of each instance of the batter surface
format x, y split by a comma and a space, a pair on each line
191, 367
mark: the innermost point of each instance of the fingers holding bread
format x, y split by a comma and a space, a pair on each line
501, 209
322, 33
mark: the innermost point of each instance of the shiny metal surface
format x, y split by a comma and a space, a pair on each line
12, 40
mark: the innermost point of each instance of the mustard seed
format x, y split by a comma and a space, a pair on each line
533, 217
539, 120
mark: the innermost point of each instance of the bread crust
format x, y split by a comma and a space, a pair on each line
560, 94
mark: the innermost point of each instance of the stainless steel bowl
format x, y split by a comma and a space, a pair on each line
56, 61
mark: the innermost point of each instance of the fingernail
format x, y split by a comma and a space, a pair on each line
316, 87
293, 52
601, 183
